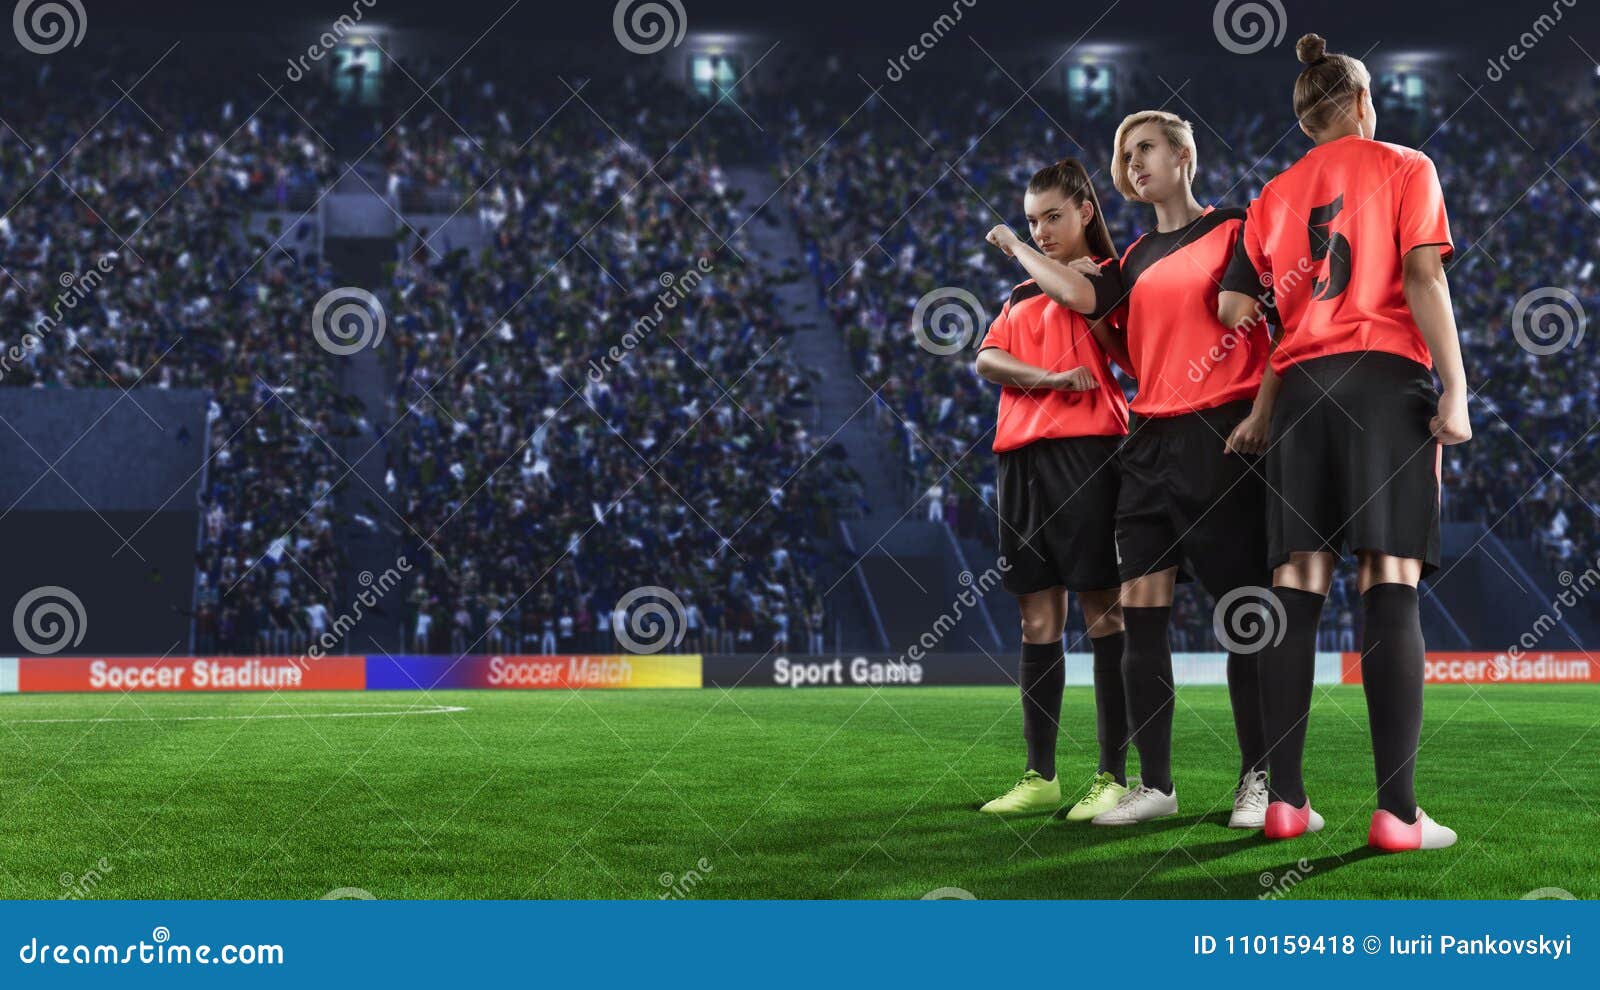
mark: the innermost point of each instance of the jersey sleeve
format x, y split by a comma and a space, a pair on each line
1109, 291
1422, 219
1245, 267
999, 334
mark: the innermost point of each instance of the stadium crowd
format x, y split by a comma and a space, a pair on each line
125, 269
616, 414
626, 414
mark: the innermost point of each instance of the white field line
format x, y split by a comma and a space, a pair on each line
432, 710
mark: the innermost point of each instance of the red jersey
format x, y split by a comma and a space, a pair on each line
1033, 328
1183, 357
1328, 235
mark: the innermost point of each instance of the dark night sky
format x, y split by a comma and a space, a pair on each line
1353, 24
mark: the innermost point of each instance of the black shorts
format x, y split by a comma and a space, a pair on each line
1058, 501
1353, 464
1186, 503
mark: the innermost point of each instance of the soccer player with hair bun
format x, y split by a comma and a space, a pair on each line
1352, 240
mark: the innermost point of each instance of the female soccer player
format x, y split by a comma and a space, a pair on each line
1352, 238
1062, 416
1193, 494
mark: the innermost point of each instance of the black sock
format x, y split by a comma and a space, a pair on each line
1391, 675
1244, 691
1147, 679
1111, 706
1286, 672
1044, 675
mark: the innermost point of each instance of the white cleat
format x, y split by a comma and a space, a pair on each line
1250, 801
1141, 804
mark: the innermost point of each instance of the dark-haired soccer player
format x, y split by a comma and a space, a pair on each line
1062, 416
1352, 239
1192, 492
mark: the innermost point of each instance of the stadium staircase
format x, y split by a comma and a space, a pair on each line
1501, 590
360, 242
905, 572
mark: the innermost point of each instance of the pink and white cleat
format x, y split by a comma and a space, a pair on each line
1393, 835
1285, 821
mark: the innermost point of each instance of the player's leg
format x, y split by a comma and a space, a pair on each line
1042, 679
1081, 479
1147, 679
1030, 575
1102, 617
1287, 671
1148, 552
1392, 486
1306, 519
1221, 499
1392, 658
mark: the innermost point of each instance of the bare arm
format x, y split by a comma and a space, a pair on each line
1003, 368
1060, 282
1428, 294
1236, 310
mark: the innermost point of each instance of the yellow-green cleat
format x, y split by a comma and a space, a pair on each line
1104, 793
1033, 795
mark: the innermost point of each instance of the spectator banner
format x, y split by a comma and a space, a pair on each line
410, 673
188, 674
1442, 667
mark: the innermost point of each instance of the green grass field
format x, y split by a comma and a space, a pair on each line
833, 793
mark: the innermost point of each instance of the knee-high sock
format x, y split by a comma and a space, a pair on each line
1111, 706
1147, 678
1044, 675
1392, 659
1244, 691
1286, 671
